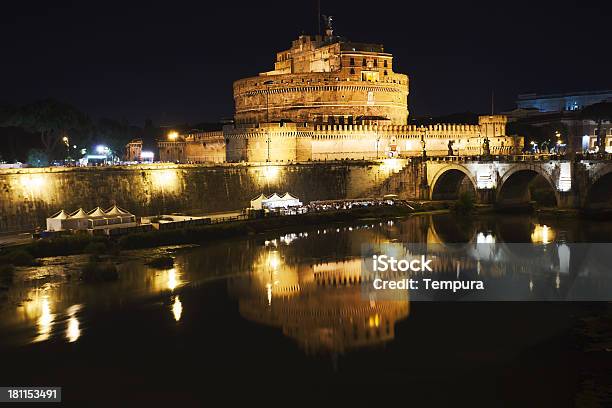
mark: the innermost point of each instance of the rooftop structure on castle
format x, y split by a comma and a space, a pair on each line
325, 79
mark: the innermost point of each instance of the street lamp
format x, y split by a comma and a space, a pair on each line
67, 143
173, 135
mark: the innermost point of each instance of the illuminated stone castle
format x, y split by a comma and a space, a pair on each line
327, 99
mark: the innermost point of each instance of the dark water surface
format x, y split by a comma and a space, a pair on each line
273, 320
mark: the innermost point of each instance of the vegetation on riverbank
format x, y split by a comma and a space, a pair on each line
161, 262
79, 244
99, 271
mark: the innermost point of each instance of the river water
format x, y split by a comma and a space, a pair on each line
282, 318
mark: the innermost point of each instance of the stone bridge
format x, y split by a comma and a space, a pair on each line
581, 182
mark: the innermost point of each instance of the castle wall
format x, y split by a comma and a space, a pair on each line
205, 147
314, 97
29, 196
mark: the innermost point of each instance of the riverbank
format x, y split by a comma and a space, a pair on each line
24, 255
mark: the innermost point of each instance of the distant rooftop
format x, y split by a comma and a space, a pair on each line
561, 102
529, 96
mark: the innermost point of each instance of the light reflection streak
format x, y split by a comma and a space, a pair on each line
45, 321
73, 332
177, 308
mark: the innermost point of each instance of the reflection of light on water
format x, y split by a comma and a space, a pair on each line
73, 332
557, 281
269, 293
374, 321
173, 279
542, 234
485, 239
177, 308
530, 285
45, 321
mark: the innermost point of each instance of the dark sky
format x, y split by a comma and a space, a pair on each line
175, 61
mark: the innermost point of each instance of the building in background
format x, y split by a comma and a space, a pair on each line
133, 150
328, 98
563, 117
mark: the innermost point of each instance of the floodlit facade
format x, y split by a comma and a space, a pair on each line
328, 98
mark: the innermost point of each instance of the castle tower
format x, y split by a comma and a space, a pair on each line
493, 125
326, 80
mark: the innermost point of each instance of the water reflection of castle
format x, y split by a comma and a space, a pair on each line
319, 316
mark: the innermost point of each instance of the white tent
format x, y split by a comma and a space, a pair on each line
57, 220
291, 201
80, 213
96, 212
256, 203
114, 210
77, 220
275, 201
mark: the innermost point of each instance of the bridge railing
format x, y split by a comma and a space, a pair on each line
544, 157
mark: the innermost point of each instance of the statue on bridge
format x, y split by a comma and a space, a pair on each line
424, 152
450, 147
486, 147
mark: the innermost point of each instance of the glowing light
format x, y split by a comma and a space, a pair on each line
392, 165
165, 179
45, 321
173, 279
73, 332
273, 260
542, 234
147, 155
485, 239
101, 149
269, 293
173, 135
271, 172
374, 321
177, 308
33, 183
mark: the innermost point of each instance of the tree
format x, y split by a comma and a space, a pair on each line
598, 112
37, 158
52, 119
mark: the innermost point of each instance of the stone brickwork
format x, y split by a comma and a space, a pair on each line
325, 80
29, 196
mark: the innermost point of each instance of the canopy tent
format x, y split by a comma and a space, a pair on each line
56, 221
256, 203
114, 210
275, 201
60, 215
96, 212
80, 213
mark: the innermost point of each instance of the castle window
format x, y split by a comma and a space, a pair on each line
385, 72
375, 62
364, 63
385, 63
227, 141
352, 71
352, 61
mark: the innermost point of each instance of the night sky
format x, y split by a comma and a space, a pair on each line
175, 62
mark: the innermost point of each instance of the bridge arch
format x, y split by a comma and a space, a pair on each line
446, 183
513, 186
599, 193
